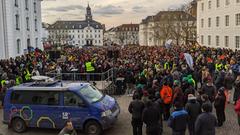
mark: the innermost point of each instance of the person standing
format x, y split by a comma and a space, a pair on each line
237, 110
210, 90
151, 119
206, 122
236, 95
219, 105
136, 108
178, 120
166, 96
194, 109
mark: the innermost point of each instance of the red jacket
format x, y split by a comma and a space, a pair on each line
237, 107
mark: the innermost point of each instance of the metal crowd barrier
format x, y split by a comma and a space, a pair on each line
103, 81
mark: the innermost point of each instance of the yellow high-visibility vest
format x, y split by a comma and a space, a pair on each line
218, 67
166, 65
89, 67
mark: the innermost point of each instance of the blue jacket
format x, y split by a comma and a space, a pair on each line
178, 120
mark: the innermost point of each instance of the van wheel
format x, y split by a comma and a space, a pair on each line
19, 125
93, 128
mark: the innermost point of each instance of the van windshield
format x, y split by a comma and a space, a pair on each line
91, 93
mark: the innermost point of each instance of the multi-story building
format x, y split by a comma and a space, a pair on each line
20, 27
45, 33
125, 34
218, 23
77, 33
178, 26
110, 36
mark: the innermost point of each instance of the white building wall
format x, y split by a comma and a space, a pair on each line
2, 39
232, 30
12, 35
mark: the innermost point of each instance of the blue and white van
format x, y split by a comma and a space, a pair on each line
50, 105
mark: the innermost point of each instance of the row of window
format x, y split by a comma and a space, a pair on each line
17, 19
72, 36
218, 3
71, 31
44, 98
27, 5
227, 21
217, 39
28, 44
82, 41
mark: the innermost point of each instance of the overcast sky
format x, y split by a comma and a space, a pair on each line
109, 12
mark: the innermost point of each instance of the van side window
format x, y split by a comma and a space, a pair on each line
71, 99
35, 97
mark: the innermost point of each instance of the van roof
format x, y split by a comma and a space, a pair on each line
51, 86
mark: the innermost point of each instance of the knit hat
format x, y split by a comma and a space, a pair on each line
191, 97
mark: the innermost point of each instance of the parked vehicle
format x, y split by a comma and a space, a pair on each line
50, 105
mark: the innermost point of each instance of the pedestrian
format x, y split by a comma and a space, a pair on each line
166, 96
219, 105
237, 110
151, 119
237, 90
194, 109
68, 129
178, 120
206, 122
159, 106
209, 89
136, 108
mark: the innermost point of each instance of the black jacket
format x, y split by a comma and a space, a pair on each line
151, 116
210, 91
194, 109
136, 108
205, 124
237, 91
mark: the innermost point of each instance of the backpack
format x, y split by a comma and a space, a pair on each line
166, 94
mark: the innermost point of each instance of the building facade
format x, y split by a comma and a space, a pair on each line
218, 23
77, 33
125, 34
45, 33
178, 26
20, 27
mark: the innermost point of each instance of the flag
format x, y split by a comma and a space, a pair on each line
189, 60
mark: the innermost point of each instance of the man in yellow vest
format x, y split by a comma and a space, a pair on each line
27, 75
18, 80
89, 69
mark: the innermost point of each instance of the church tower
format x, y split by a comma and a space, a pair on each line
89, 13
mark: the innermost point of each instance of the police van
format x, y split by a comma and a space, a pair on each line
50, 104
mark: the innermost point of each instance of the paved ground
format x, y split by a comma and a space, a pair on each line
123, 125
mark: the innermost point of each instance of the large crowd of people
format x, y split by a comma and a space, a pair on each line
158, 77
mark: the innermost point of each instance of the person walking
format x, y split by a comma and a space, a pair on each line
151, 119
206, 122
219, 105
178, 120
136, 108
236, 95
194, 109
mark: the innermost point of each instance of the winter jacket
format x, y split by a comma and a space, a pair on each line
194, 109
236, 95
205, 124
166, 94
151, 116
210, 90
228, 81
136, 108
178, 120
